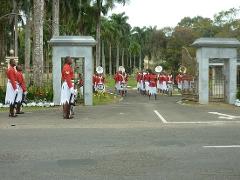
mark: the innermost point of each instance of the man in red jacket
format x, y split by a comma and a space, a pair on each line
179, 81
12, 90
116, 82
22, 90
99, 82
67, 93
152, 78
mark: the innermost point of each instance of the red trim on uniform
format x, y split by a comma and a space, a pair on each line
152, 80
21, 81
11, 75
99, 79
67, 74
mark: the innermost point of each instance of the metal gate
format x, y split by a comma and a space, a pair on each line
217, 89
191, 92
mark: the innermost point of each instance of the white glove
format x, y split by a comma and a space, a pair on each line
72, 90
16, 91
25, 93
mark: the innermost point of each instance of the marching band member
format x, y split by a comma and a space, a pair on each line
152, 85
80, 83
161, 79
67, 93
93, 82
99, 80
158, 83
164, 83
22, 90
179, 79
158, 70
169, 78
185, 82
125, 76
142, 87
12, 90
116, 81
146, 82
122, 79
138, 78
169, 83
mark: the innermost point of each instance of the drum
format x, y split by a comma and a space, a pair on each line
100, 87
123, 86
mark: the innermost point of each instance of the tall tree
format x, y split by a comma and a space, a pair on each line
55, 18
15, 10
102, 7
122, 28
108, 37
38, 15
27, 9
139, 34
134, 49
5, 28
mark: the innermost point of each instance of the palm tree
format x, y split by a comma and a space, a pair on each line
38, 15
122, 28
5, 26
27, 9
104, 33
102, 7
108, 37
55, 17
77, 17
134, 49
140, 36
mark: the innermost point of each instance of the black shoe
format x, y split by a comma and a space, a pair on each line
20, 112
13, 115
68, 117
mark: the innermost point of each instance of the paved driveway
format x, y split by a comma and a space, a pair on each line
135, 139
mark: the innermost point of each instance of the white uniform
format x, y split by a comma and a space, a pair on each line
67, 76
11, 86
10, 94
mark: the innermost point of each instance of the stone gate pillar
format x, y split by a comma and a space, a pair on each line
74, 46
203, 66
217, 48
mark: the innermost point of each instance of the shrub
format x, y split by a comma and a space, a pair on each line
40, 94
2, 95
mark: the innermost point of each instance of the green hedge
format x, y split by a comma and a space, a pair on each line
44, 94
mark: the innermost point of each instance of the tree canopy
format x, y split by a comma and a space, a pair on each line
118, 42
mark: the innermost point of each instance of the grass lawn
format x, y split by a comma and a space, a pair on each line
106, 98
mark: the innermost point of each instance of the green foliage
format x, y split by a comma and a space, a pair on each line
34, 94
2, 95
80, 17
37, 94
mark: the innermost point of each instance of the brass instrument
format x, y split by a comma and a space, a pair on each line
99, 70
121, 68
158, 69
182, 69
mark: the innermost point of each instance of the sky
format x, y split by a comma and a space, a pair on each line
165, 13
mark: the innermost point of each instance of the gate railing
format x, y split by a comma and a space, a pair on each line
217, 89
